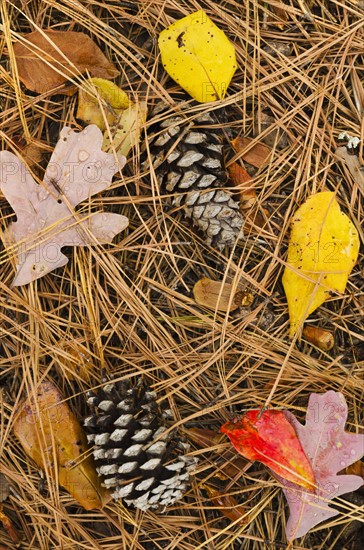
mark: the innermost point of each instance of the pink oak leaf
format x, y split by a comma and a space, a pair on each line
46, 219
329, 449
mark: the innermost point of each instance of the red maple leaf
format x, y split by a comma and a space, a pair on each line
270, 438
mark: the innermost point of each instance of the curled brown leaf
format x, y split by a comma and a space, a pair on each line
46, 59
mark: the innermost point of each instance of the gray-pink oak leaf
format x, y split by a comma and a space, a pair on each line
330, 449
46, 216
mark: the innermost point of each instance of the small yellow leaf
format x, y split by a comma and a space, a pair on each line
322, 251
198, 56
111, 97
126, 132
52, 436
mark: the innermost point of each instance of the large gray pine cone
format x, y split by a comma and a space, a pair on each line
189, 163
134, 453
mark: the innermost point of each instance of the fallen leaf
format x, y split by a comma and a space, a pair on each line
31, 152
278, 49
46, 220
276, 137
217, 295
353, 164
4, 488
241, 179
97, 92
125, 118
239, 176
9, 526
47, 59
357, 469
255, 217
280, 10
269, 437
126, 130
52, 436
322, 251
257, 155
329, 449
198, 56
228, 505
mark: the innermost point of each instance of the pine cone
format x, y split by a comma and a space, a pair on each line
145, 465
189, 162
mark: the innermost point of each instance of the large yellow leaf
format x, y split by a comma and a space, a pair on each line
323, 249
52, 436
198, 56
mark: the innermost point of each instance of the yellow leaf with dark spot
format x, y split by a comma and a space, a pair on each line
198, 56
52, 436
322, 251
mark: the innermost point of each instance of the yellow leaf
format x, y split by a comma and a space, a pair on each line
322, 251
198, 56
126, 132
106, 93
52, 436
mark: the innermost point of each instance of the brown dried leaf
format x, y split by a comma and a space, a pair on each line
52, 436
256, 221
9, 526
356, 469
239, 176
217, 295
228, 505
254, 218
281, 15
46, 59
248, 199
277, 137
4, 488
46, 219
30, 152
353, 164
257, 155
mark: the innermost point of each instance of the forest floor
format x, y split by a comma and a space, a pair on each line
127, 309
